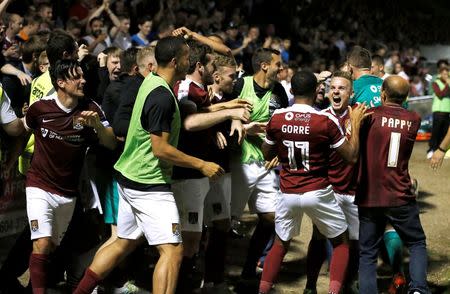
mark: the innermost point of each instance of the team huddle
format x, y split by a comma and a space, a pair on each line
201, 143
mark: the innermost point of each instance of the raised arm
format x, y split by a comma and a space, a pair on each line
216, 46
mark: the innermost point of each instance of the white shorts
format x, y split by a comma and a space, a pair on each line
254, 184
218, 200
152, 214
190, 196
49, 214
351, 214
320, 205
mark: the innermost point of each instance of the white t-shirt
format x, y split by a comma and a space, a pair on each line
7, 114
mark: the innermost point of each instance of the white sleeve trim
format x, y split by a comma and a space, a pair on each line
339, 143
269, 141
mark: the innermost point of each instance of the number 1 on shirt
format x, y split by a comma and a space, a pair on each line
394, 147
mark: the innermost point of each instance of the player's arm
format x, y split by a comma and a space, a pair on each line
164, 151
216, 46
438, 154
349, 150
204, 120
105, 135
268, 147
235, 103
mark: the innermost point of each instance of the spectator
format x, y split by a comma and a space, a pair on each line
145, 26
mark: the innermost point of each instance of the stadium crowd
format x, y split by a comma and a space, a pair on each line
169, 118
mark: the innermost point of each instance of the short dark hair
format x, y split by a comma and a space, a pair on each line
359, 57
143, 19
63, 69
304, 83
168, 48
442, 62
97, 18
197, 53
378, 59
32, 48
262, 55
58, 43
128, 59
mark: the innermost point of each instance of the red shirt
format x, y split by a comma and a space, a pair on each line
192, 98
303, 137
387, 140
60, 145
342, 175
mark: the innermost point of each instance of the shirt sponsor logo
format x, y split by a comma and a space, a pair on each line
289, 116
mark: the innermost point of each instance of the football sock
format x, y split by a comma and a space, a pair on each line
38, 272
272, 266
261, 236
338, 267
317, 253
215, 256
88, 283
394, 248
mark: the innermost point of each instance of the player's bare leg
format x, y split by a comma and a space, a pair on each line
165, 275
104, 262
111, 239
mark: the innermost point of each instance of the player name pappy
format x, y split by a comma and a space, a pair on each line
395, 123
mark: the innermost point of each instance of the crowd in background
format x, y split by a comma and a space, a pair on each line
309, 34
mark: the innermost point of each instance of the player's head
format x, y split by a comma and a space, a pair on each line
67, 78
341, 89
377, 66
359, 60
61, 45
224, 74
200, 61
146, 60
267, 61
113, 62
96, 25
303, 85
32, 48
173, 52
394, 89
128, 63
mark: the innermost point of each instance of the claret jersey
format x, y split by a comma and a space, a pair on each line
60, 146
388, 135
303, 137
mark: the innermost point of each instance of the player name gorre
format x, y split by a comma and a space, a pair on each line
395, 123
302, 130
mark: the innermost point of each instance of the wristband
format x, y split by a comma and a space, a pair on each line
440, 149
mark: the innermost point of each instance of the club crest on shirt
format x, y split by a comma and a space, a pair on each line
176, 229
193, 218
217, 208
77, 125
34, 225
44, 132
